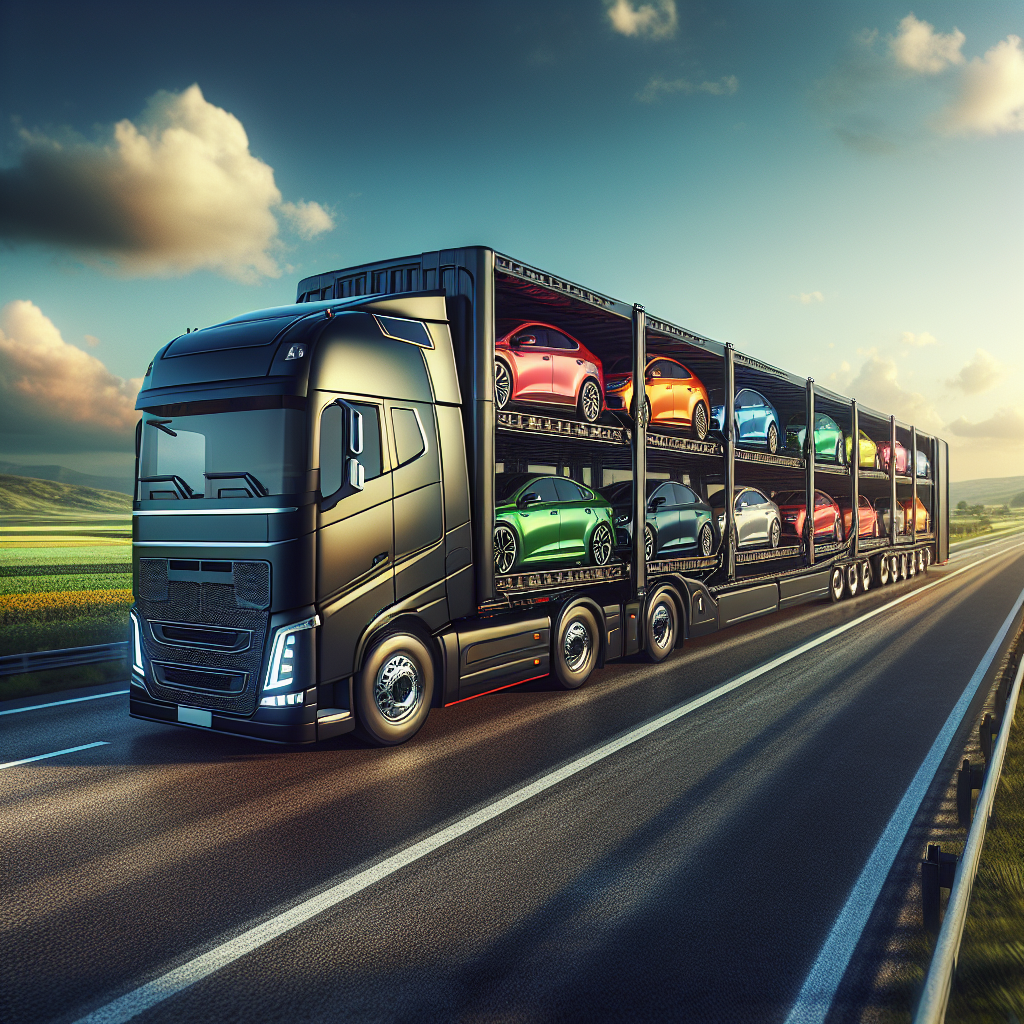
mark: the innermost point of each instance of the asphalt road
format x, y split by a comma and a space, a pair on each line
692, 875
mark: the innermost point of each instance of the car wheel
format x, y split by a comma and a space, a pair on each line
837, 533
502, 384
774, 533
773, 439
650, 547
852, 579
393, 690
575, 648
706, 540
836, 584
865, 576
647, 411
883, 570
735, 539
661, 627
601, 544
506, 549
840, 454
700, 421
588, 407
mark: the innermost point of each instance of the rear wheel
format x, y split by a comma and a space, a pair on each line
774, 533
393, 690
836, 583
903, 565
912, 565
700, 421
647, 410
502, 384
661, 626
773, 439
506, 549
588, 407
601, 544
706, 540
894, 568
865, 576
883, 571
650, 545
575, 648
852, 579
927, 558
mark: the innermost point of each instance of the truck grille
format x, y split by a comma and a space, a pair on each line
201, 676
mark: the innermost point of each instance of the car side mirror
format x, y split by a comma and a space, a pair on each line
529, 498
656, 503
524, 339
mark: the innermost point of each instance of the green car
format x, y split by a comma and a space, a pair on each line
549, 520
829, 444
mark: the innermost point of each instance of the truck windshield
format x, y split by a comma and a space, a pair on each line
222, 450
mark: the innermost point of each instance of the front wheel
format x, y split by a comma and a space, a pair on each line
700, 421
601, 544
588, 407
575, 649
706, 540
773, 439
506, 549
774, 534
393, 690
502, 384
661, 627
836, 584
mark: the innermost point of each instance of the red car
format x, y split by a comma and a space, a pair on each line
867, 520
901, 458
536, 362
828, 519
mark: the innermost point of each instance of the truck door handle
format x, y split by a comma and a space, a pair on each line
382, 557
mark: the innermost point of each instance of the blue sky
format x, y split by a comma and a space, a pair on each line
835, 188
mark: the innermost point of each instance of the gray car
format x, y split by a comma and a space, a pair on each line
757, 518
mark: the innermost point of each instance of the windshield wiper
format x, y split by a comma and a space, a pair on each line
180, 485
250, 480
162, 425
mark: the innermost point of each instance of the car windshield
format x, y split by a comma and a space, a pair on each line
790, 498
506, 484
717, 500
624, 364
622, 492
234, 449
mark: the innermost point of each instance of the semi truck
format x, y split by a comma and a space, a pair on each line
422, 483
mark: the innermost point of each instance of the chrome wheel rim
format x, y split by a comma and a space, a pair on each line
775, 535
601, 545
504, 550
591, 401
773, 439
700, 421
576, 646
661, 625
865, 575
502, 385
852, 579
837, 583
706, 540
648, 544
398, 688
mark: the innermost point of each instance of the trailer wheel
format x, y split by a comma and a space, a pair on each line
883, 570
393, 690
912, 565
506, 549
903, 565
588, 408
836, 584
852, 579
502, 384
865, 576
661, 626
576, 648
649, 543
601, 544
706, 540
894, 568
927, 558
700, 421
773, 439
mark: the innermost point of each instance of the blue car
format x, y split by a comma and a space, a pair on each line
756, 422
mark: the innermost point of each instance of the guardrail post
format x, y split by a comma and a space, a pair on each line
986, 731
937, 872
968, 779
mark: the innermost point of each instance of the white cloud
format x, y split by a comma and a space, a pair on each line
918, 47
725, 86
808, 298
921, 340
657, 19
1005, 424
991, 94
91, 340
876, 385
176, 193
54, 396
981, 374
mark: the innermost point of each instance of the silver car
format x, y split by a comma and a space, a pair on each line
882, 511
757, 518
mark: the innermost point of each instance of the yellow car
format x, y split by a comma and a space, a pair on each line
868, 452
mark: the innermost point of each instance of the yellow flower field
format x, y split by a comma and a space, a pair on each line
60, 606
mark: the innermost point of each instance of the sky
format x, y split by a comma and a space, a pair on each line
834, 188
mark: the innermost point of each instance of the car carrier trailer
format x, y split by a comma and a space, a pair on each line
315, 504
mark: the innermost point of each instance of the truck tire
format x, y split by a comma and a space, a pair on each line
894, 568
883, 570
852, 579
588, 405
903, 565
576, 645
865, 576
836, 583
661, 626
393, 690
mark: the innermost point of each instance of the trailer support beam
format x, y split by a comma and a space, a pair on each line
639, 450
892, 480
730, 463
854, 461
809, 472
913, 478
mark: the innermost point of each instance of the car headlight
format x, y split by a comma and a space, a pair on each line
622, 520
620, 385
291, 662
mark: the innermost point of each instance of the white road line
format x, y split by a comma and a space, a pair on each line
56, 753
146, 996
70, 700
819, 989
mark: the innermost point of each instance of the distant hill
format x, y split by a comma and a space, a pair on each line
995, 490
27, 494
70, 476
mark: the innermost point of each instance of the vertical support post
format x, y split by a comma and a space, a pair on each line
639, 450
809, 472
854, 461
483, 419
913, 477
892, 480
729, 436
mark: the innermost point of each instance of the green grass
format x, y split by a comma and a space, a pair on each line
65, 581
27, 494
989, 983
106, 626
68, 554
55, 679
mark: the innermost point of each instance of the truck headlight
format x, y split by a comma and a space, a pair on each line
137, 662
290, 659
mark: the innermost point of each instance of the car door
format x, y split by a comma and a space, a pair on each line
661, 507
745, 416
541, 522
746, 518
566, 366
659, 391
532, 358
758, 415
576, 515
687, 503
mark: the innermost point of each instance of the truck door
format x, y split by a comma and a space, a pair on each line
355, 529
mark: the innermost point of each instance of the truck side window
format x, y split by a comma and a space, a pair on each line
410, 441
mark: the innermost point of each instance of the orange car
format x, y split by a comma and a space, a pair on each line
675, 396
867, 519
922, 518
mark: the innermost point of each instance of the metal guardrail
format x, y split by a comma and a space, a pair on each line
13, 664
939, 983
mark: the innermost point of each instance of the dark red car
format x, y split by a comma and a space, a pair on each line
535, 362
901, 458
867, 519
828, 519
